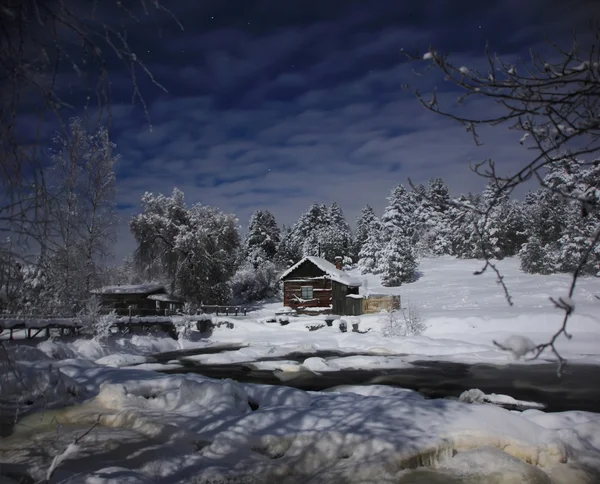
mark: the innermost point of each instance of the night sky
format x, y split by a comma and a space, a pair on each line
275, 104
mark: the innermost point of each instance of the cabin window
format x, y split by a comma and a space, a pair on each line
307, 292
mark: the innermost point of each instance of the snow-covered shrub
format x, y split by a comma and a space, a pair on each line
393, 324
94, 321
252, 283
403, 322
413, 321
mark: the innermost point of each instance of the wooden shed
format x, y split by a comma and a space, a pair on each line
316, 286
138, 300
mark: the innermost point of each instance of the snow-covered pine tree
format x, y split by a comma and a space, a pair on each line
534, 257
544, 213
257, 277
514, 229
557, 216
438, 195
364, 225
263, 236
398, 261
400, 213
503, 229
463, 217
304, 233
288, 251
371, 250
335, 239
578, 182
434, 234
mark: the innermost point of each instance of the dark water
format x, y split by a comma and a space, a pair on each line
577, 389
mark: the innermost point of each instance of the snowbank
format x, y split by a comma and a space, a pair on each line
350, 434
29, 383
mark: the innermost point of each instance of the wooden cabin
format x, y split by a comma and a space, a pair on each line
316, 286
138, 300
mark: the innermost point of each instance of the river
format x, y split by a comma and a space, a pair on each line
576, 389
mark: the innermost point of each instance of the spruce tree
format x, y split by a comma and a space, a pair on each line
533, 256
398, 263
370, 252
335, 239
288, 250
400, 212
364, 225
263, 236
304, 235
434, 235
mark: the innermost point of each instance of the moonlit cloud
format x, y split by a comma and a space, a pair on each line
286, 103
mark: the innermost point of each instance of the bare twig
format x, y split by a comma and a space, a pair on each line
554, 102
568, 307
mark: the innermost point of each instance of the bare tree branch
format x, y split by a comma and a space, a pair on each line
554, 101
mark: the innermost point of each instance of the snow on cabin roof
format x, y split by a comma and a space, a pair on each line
130, 289
164, 298
328, 268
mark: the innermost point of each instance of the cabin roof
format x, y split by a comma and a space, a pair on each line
328, 268
139, 289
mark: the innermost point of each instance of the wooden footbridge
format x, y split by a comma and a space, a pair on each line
33, 326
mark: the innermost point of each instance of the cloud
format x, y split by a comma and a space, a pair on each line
310, 105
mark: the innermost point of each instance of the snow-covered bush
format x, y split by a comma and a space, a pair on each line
93, 319
393, 324
403, 322
413, 321
252, 283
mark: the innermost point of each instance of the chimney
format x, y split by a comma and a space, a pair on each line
338, 262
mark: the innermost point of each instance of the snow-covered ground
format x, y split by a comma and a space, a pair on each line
463, 314
104, 423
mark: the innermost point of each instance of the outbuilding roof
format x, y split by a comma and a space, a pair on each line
165, 298
130, 289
